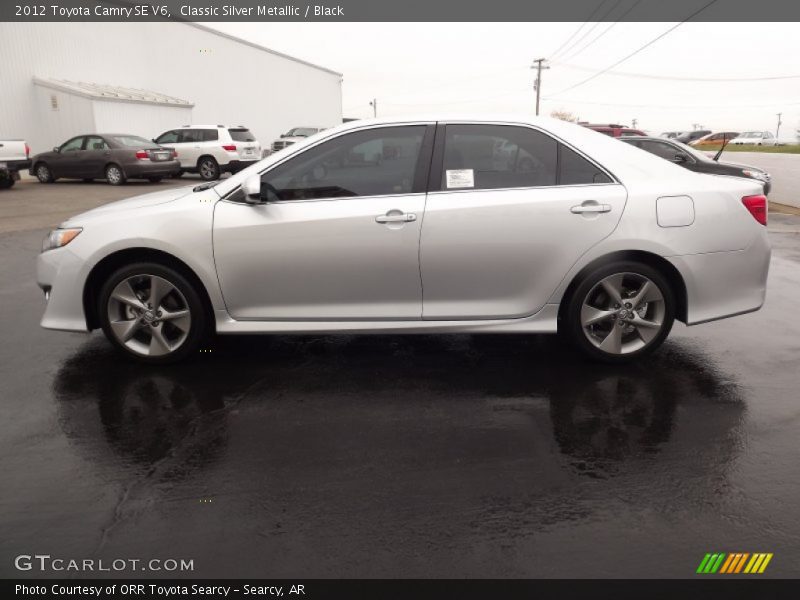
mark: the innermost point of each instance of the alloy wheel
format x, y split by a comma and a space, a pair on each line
114, 175
43, 173
208, 169
623, 313
149, 315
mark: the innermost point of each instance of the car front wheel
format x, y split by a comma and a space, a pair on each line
620, 312
152, 313
44, 174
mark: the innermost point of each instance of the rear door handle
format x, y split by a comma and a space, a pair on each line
395, 218
590, 208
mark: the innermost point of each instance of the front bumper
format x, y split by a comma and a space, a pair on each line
60, 274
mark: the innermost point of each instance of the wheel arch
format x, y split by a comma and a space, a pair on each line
662, 265
103, 269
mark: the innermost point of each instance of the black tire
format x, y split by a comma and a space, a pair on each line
154, 179
7, 184
200, 322
208, 168
43, 173
115, 175
572, 324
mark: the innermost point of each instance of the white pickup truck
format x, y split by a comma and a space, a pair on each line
15, 155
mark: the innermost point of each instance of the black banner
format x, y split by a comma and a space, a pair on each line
705, 587
401, 10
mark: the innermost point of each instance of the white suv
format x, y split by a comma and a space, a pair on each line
211, 150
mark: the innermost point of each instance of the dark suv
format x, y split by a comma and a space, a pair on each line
694, 160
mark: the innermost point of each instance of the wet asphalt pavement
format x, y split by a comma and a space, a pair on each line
394, 456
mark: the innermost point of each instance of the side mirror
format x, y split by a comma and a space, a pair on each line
251, 187
679, 158
56, 149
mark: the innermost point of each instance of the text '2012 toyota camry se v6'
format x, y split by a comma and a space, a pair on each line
429, 225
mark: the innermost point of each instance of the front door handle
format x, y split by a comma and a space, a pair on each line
396, 218
590, 208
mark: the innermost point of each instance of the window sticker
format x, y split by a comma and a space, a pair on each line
460, 178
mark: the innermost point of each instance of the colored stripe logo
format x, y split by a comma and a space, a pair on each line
734, 563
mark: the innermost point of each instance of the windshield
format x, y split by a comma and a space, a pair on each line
241, 135
302, 132
132, 141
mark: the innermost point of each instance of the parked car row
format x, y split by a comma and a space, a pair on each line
207, 150
706, 137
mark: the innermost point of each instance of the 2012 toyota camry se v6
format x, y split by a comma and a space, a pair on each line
428, 225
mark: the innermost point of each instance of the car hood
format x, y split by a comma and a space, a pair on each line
130, 204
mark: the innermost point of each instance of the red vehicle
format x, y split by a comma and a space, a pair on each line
612, 129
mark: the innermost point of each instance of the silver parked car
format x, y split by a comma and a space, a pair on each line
429, 225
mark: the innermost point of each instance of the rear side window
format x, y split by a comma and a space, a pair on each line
573, 169
241, 135
209, 135
486, 157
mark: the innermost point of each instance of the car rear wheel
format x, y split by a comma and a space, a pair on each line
620, 312
115, 175
208, 168
152, 313
6, 183
44, 174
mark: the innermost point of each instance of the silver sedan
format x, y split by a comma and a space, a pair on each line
425, 225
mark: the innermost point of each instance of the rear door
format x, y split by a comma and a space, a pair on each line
509, 211
96, 154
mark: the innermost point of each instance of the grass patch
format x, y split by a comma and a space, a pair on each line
794, 149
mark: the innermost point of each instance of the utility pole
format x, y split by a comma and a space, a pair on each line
634, 123
537, 85
374, 105
778, 128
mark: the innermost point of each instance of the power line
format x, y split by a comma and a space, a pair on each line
676, 78
635, 52
592, 28
579, 29
606, 30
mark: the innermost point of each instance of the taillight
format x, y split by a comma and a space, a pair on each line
757, 205
174, 153
230, 148
27, 151
142, 154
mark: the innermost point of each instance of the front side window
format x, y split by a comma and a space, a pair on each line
170, 137
191, 136
374, 162
73, 145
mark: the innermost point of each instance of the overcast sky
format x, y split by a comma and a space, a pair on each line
424, 67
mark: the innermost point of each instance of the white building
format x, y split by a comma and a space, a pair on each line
63, 79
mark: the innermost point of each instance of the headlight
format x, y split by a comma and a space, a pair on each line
760, 175
59, 237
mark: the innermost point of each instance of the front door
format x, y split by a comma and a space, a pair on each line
338, 236
510, 211
67, 163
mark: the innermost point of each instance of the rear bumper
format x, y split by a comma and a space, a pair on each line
725, 284
235, 166
146, 168
17, 165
